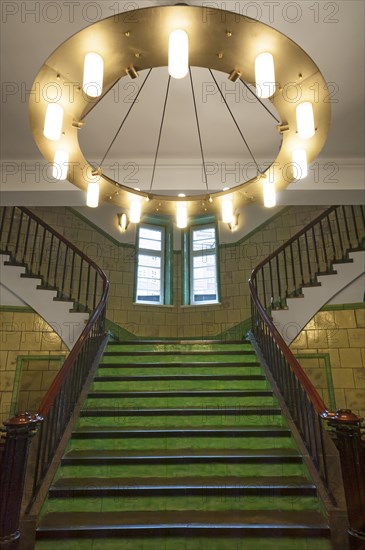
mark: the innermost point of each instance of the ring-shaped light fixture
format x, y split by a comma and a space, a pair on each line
138, 40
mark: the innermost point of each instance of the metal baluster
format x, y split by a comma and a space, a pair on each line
3, 221
64, 273
56, 265
42, 250
300, 263
18, 234
87, 286
263, 286
10, 230
286, 274
279, 282
49, 261
324, 246
315, 249
95, 289
309, 263
293, 269
271, 286
331, 235
346, 226
25, 249
339, 235
72, 274
79, 290
34, 246
355, 226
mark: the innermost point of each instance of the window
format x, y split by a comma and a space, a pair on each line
153, 267
200, 269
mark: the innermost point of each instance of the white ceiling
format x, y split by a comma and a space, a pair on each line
332, 33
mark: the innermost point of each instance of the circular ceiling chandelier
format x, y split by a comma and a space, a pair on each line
80, 72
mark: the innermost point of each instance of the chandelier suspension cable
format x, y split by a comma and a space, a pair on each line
125, 118
259, 100
160, 133
198, 128
234, 120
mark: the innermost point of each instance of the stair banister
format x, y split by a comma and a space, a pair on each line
26, 239
305, 405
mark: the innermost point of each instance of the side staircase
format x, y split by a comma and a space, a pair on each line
179, 445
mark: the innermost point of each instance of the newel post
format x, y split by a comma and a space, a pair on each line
347, 431
18, 433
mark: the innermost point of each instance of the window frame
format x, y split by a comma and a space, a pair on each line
188, 259
166, 254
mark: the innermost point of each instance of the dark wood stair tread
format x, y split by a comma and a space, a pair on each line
175, 522
178, 352
181, 393
176, 341
150, 432
228, 485
189, 456
192, 377
197, 364
191, 411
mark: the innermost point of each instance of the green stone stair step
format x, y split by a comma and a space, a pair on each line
173, 377
155, 524
203, 486
125, 433
227, 411
183, 456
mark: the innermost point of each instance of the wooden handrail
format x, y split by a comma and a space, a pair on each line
311, 391
291, 241
63, 372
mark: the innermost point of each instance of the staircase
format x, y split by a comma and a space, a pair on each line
179, 445
300, 308
60, 314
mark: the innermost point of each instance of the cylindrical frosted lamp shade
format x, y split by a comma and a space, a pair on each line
269, 193
53, 121
93, 74
305, 120
178, 63
92, 198
227, 210
135, 211
181, 216
300, 165
265, 75
60, 165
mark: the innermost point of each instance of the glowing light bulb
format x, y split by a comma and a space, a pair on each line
305, 120
135, 211
300, 165
178, 63
60, 165
53, 121
265, 75
92, 198
269, 193
93, 74
227, 209
181, 216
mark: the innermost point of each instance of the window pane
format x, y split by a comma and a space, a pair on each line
204, 268
152, 234
204, 239
204, 260
149, 244
150, 239
150, 273
149, 261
